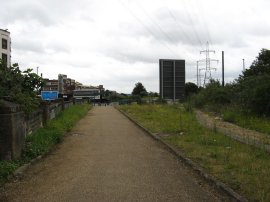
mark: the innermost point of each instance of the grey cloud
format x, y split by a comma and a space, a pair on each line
46, 13
26, 11
41, 27
38, 46
169, 26
173, 28
229, 38
131, 57
26, 44
261, 29
178, 25
57, 47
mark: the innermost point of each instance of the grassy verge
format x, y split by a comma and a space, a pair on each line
43, 139
244, 168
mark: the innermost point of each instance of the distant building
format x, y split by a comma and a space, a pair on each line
62, 80
5, 47
70, 86
50, 85
87, 93
78, 85
94, 93
63, 85
172, 79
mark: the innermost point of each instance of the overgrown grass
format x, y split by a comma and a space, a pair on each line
7, 168
244, 168
247, 120
43, 139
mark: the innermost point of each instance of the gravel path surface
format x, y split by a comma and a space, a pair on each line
107, 158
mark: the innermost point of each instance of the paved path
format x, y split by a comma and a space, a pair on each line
107, 158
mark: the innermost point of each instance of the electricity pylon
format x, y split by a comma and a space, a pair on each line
208, 68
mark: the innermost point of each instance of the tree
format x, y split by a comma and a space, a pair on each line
107, 93
19, 87
153, 94
254, 94
259, 66
139, 90
253, 87
190, 88
249, 93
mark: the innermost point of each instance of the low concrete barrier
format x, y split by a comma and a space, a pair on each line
15, 125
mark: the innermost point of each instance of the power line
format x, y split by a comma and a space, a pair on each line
156, 24
169, 38
203, 19
192, 24
180, 27
146, 28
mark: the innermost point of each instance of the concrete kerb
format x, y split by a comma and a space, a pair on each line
20, 171
197, 169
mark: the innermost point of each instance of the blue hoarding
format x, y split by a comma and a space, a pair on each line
49, 95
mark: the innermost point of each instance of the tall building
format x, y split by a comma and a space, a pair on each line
172, 79
5, 47
62, 81
70, 86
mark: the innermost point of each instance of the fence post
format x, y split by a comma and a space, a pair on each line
45, 113
62, 104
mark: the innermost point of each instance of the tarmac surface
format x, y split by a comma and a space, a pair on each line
108, 158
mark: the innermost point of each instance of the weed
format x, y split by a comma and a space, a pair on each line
7, 168
244, 168
43, 139
246, 119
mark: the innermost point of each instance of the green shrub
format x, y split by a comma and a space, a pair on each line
198, 100
254, 94
212, 95
6, 169
229, 116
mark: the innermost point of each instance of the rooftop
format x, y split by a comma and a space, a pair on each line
5, 30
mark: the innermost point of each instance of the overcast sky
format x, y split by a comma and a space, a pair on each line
119, 42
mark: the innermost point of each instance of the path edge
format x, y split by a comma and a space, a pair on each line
196, 168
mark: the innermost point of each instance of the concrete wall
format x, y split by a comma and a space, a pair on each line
15, 125
12, 131
33, 121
